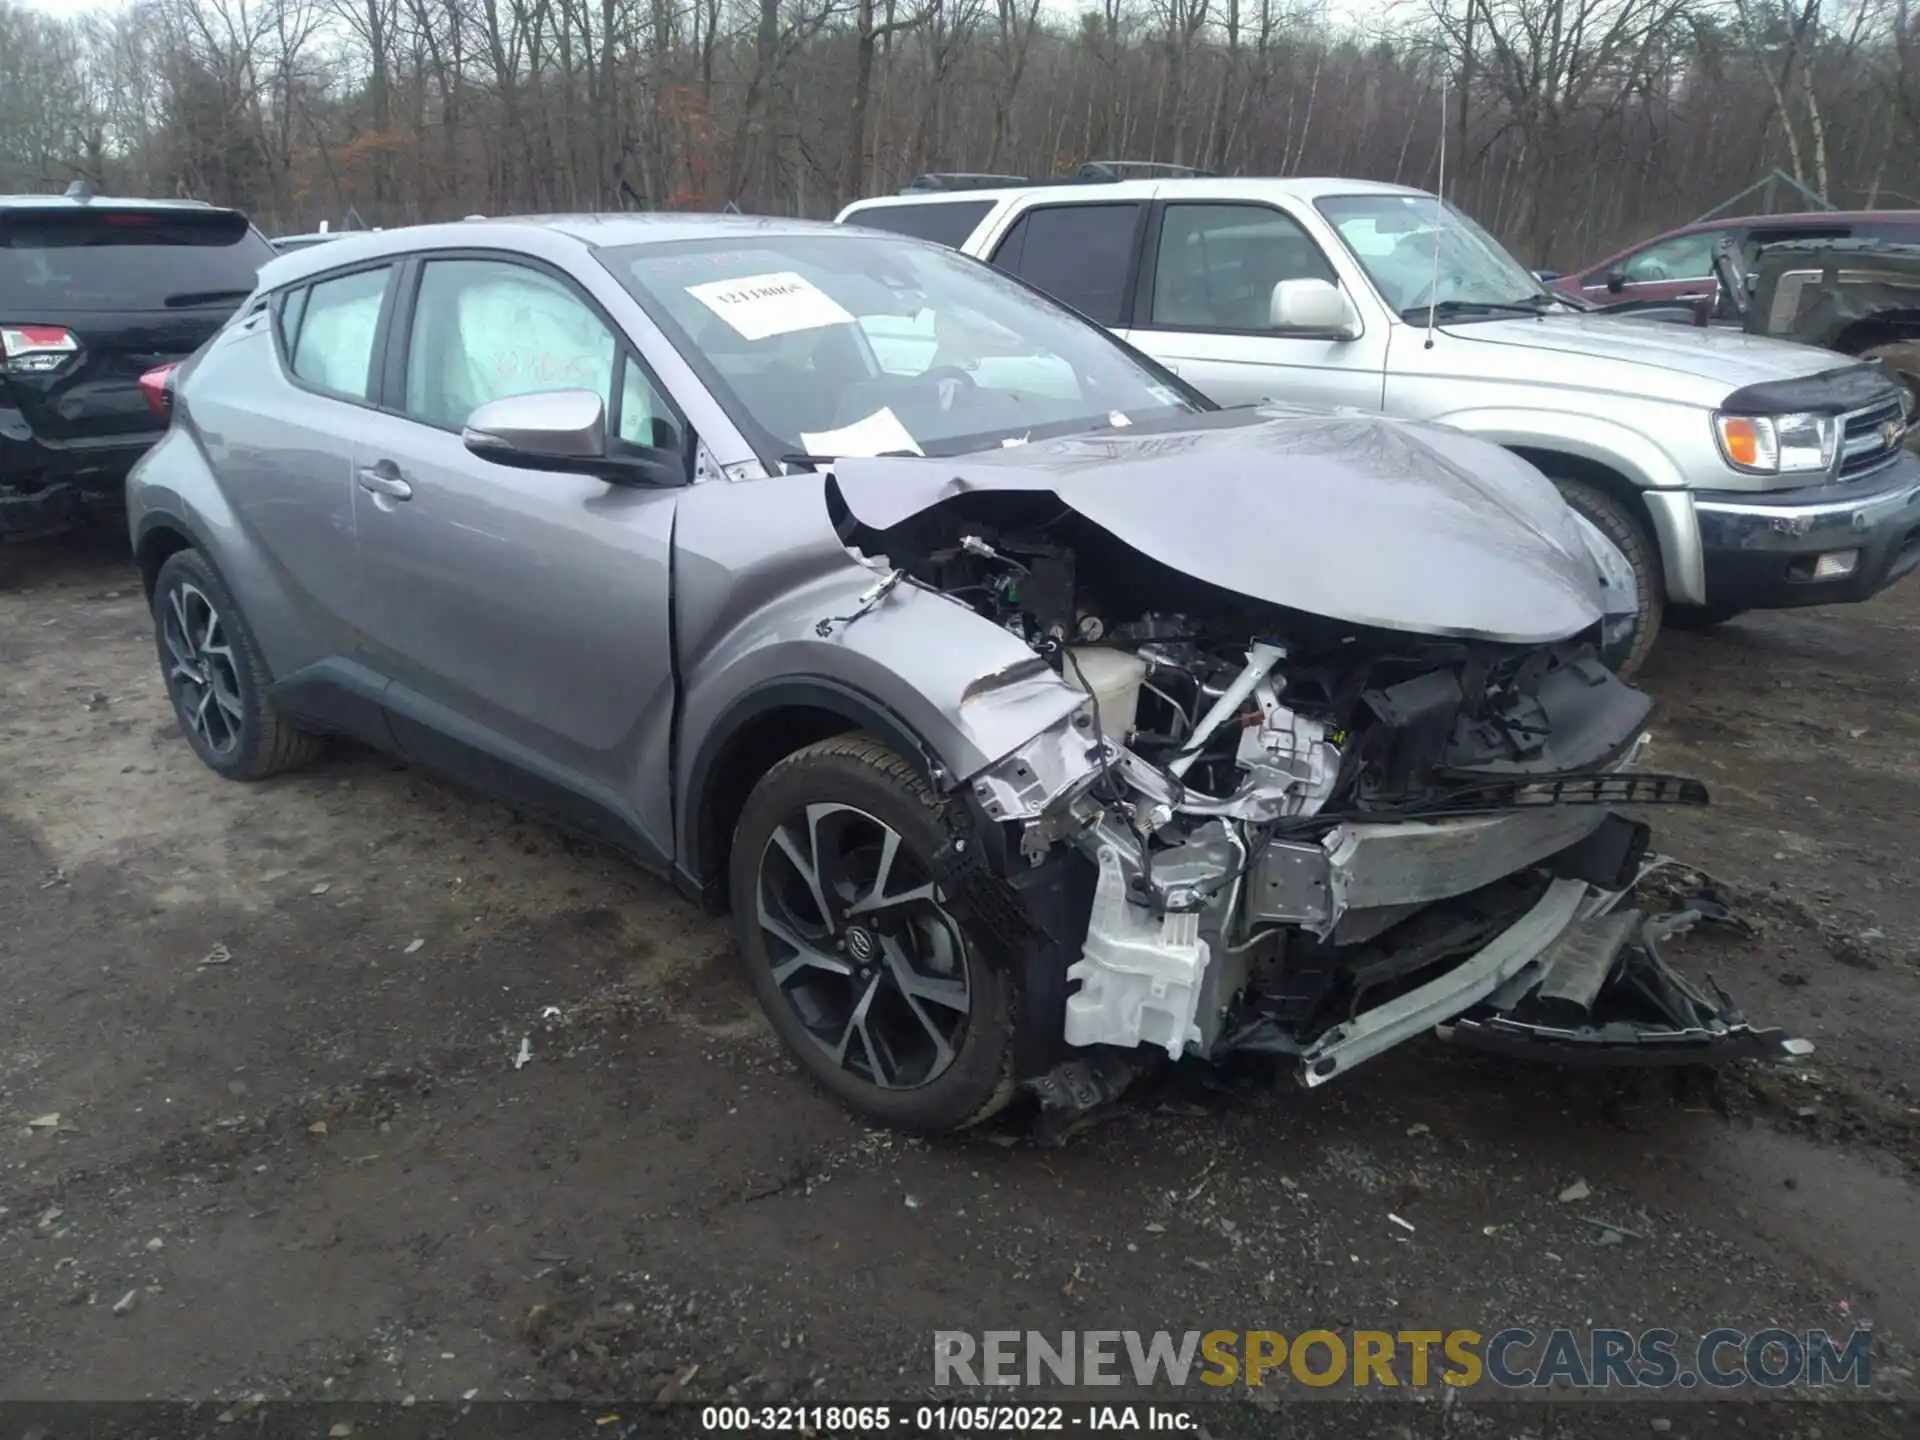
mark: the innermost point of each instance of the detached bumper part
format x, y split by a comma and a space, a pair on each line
1603, 996
1469, 982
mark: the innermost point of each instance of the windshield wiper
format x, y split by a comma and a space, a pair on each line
202, 297
1455, 309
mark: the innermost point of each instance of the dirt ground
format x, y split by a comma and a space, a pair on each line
294, 1155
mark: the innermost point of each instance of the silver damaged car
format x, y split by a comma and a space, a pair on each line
1032, 716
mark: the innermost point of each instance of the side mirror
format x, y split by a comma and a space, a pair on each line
563, 431
1313, 308
1616, 282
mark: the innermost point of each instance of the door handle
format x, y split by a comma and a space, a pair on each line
383, 479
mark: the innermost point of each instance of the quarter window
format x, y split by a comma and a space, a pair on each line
1217, 265
333, 332
1082, 255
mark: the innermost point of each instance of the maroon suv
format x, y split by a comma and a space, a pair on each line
1679, 264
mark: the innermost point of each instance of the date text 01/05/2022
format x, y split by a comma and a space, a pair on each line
914, 1419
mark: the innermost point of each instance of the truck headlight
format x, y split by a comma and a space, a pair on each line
1778, 444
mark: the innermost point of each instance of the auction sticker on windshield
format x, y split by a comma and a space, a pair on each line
878, 434
759, 306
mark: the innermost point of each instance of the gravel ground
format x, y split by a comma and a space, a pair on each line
294, 1156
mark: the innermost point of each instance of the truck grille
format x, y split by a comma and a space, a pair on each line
1872, 437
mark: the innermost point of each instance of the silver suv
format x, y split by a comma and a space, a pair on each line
1734, 472
1031, 715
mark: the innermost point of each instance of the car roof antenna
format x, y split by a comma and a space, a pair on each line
1433, 285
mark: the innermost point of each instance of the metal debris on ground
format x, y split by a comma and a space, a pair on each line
321, 887
525, 1054
218, 955
1403, 1224
45, 1122
1578, 1190
125, 1302
412, 946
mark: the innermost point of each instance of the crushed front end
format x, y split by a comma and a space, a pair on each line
1315, 839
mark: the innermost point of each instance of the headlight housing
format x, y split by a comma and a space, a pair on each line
1796, 444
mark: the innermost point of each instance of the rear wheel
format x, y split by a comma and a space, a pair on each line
851, 949
1620, 525
216, 677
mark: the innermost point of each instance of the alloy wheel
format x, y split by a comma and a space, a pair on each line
862, 948
201, 673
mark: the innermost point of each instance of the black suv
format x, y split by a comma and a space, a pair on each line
95, 293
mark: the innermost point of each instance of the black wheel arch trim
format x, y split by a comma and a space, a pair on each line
155, 520
859, 709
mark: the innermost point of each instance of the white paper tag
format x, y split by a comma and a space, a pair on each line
878, 434
778, 304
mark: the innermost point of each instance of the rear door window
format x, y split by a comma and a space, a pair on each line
97, 258
949, 222
1082, 255
333, 345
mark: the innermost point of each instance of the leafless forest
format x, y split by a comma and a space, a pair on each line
1570, 124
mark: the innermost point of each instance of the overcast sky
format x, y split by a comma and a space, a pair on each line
73, 7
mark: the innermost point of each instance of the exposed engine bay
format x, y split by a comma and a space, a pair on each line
1307, 836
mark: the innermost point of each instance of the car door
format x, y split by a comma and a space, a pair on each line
1204, 309
288, 386
522, 615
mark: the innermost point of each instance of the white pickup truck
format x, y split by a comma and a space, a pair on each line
1734, 473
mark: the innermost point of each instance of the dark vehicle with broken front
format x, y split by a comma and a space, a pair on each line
1033, 716
94, 293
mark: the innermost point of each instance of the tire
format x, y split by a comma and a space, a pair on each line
938, 1061
1699, 617
216, 678
1620, 525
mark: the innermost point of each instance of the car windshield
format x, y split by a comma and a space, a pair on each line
1420, 252
851, 344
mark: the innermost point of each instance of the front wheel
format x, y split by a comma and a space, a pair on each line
1620, 525
851, 949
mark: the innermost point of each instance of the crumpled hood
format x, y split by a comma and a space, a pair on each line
1349, 516
1730, 357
